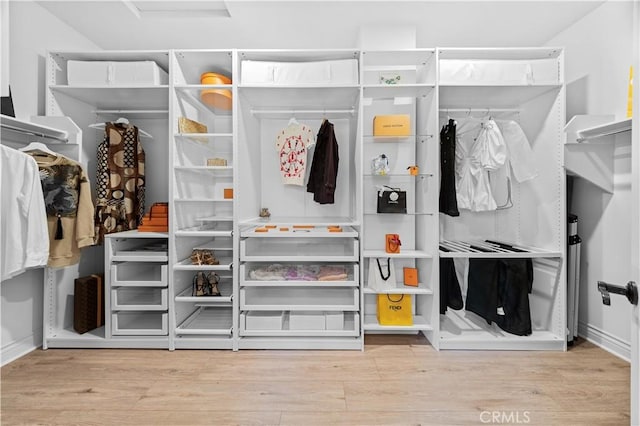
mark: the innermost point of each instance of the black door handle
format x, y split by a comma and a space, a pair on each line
630, 291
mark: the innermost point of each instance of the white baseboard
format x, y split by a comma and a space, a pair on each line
605, 340
20, 348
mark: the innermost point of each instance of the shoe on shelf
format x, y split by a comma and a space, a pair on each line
213, 279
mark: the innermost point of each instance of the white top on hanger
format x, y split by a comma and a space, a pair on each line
38, 146
121, 120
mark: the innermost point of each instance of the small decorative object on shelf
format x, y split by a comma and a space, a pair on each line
205, 284
390, 78
413, 170
157, 220
410, 276
219, 162
392, 243
203, 257
392, 200
392, 125
264, 213
228, 193
189, 126
380, 165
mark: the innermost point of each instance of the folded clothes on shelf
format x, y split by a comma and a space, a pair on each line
277, 272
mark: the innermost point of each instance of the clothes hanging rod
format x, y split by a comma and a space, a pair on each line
130, 111
33, 133
487, 110
302, 111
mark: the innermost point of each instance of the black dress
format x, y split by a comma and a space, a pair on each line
324, 168
448, 201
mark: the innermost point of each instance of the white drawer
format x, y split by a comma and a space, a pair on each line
298, 298
299, 249
139, 299
139, 323
350, 326
287, 274
134, 274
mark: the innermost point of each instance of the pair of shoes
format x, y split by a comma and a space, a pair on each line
203, 257
205, 285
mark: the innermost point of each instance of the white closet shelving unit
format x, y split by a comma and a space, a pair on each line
525, 85
291, 314
201, 217
413, 94
137, 285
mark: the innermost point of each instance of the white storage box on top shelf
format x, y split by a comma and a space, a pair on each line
503, 72
115, 73
340, 71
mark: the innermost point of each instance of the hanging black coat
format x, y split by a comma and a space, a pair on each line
324, 169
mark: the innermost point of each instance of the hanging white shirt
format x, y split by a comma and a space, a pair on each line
520, 155
25, 237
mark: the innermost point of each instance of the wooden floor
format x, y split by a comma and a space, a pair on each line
396, 380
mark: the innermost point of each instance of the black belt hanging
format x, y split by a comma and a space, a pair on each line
388, 269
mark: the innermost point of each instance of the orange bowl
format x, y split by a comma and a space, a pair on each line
216, 98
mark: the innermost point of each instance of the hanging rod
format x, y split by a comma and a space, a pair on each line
487, 110
130, 111
34, 133
302, 111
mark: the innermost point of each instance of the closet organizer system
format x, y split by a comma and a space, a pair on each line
148, 285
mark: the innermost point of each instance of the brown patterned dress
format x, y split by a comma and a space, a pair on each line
120, 181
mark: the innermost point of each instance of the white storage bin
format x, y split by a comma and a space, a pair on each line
306, 320
517, 72
342, 71
139, 323
263, 320
139, 299
299, 249
112, 73
134, 274
334, 320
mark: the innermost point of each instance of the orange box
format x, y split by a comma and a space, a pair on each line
392, 125
410, 276
228, 193
284, 229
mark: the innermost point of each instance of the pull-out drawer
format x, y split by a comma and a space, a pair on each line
299, 298
135, 274
279, 324
129, 323
299, 249
290, 274
138, 299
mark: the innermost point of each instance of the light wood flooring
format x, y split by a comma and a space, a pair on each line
395, 381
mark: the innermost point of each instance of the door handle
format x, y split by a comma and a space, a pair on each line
630, 291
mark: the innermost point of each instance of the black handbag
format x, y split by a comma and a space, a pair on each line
392, 200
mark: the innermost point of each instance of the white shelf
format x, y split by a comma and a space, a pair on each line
185, 265
301, 97
207, 321
419, 324
26, 127
499, 53
493, 96
206, 168
190, 93
395, 59
141, 256
196, 232
185, 296
459, 332
463, 249
299, 299
118, 97
404, 254
69, 338
607, 129
203, 200
215, 219
201, 138
390, 91
255, 283
316, 232
134, 233
316, 221
400, 289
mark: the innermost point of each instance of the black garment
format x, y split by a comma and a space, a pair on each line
448, 201
450, 294
502, 284
324, 169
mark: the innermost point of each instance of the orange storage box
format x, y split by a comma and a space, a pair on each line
392, 125
157, 220
216, 98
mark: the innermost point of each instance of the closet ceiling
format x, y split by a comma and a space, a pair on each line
117, 24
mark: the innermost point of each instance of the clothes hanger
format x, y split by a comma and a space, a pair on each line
38, 147
120, 120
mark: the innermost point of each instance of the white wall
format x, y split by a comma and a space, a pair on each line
599, 51
33, 30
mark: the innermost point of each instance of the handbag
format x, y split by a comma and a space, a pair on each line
392, 243
392, 200
382, 274
394, 309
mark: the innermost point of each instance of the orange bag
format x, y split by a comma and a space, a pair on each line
410, 276
392, 243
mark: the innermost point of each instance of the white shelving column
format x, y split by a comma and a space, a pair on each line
527, 86
200, 215
402, 82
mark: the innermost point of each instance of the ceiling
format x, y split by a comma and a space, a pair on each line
319, 24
